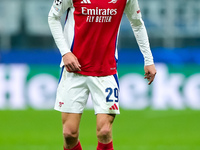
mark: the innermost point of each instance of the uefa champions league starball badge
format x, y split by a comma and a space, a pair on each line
58, 2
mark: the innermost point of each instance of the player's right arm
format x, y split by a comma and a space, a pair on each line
58, 8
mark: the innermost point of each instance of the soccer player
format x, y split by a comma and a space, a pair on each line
89, 62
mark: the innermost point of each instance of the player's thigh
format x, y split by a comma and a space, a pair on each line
71, 122
72, 93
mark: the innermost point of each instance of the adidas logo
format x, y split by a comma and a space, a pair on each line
113, 1
85, 2
114, 107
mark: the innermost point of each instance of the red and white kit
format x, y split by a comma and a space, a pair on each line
91, 32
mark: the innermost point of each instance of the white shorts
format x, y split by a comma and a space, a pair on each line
74, 89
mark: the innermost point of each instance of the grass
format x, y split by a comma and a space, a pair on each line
132, 130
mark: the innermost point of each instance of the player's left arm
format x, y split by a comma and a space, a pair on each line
150, 73
133, 13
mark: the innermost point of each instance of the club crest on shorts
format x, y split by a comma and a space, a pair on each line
58, 2
60, 104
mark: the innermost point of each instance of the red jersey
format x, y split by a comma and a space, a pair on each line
95, 34
91, 31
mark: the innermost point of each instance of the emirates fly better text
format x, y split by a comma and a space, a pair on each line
98, 15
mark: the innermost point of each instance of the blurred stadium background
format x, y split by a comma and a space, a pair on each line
163, 116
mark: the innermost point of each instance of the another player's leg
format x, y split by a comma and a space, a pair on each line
71, 123
104, 131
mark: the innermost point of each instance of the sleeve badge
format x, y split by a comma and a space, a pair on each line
58, 2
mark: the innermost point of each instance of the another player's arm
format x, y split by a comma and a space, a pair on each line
57, 10
133, 13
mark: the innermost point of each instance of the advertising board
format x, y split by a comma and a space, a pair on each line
25, 86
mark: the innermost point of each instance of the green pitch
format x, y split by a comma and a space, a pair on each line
132, 130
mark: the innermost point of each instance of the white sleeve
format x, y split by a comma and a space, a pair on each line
57, 10
133, 13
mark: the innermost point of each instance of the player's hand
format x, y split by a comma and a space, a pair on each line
71, 62
150, 72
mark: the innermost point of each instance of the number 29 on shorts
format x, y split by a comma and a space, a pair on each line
111, 91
